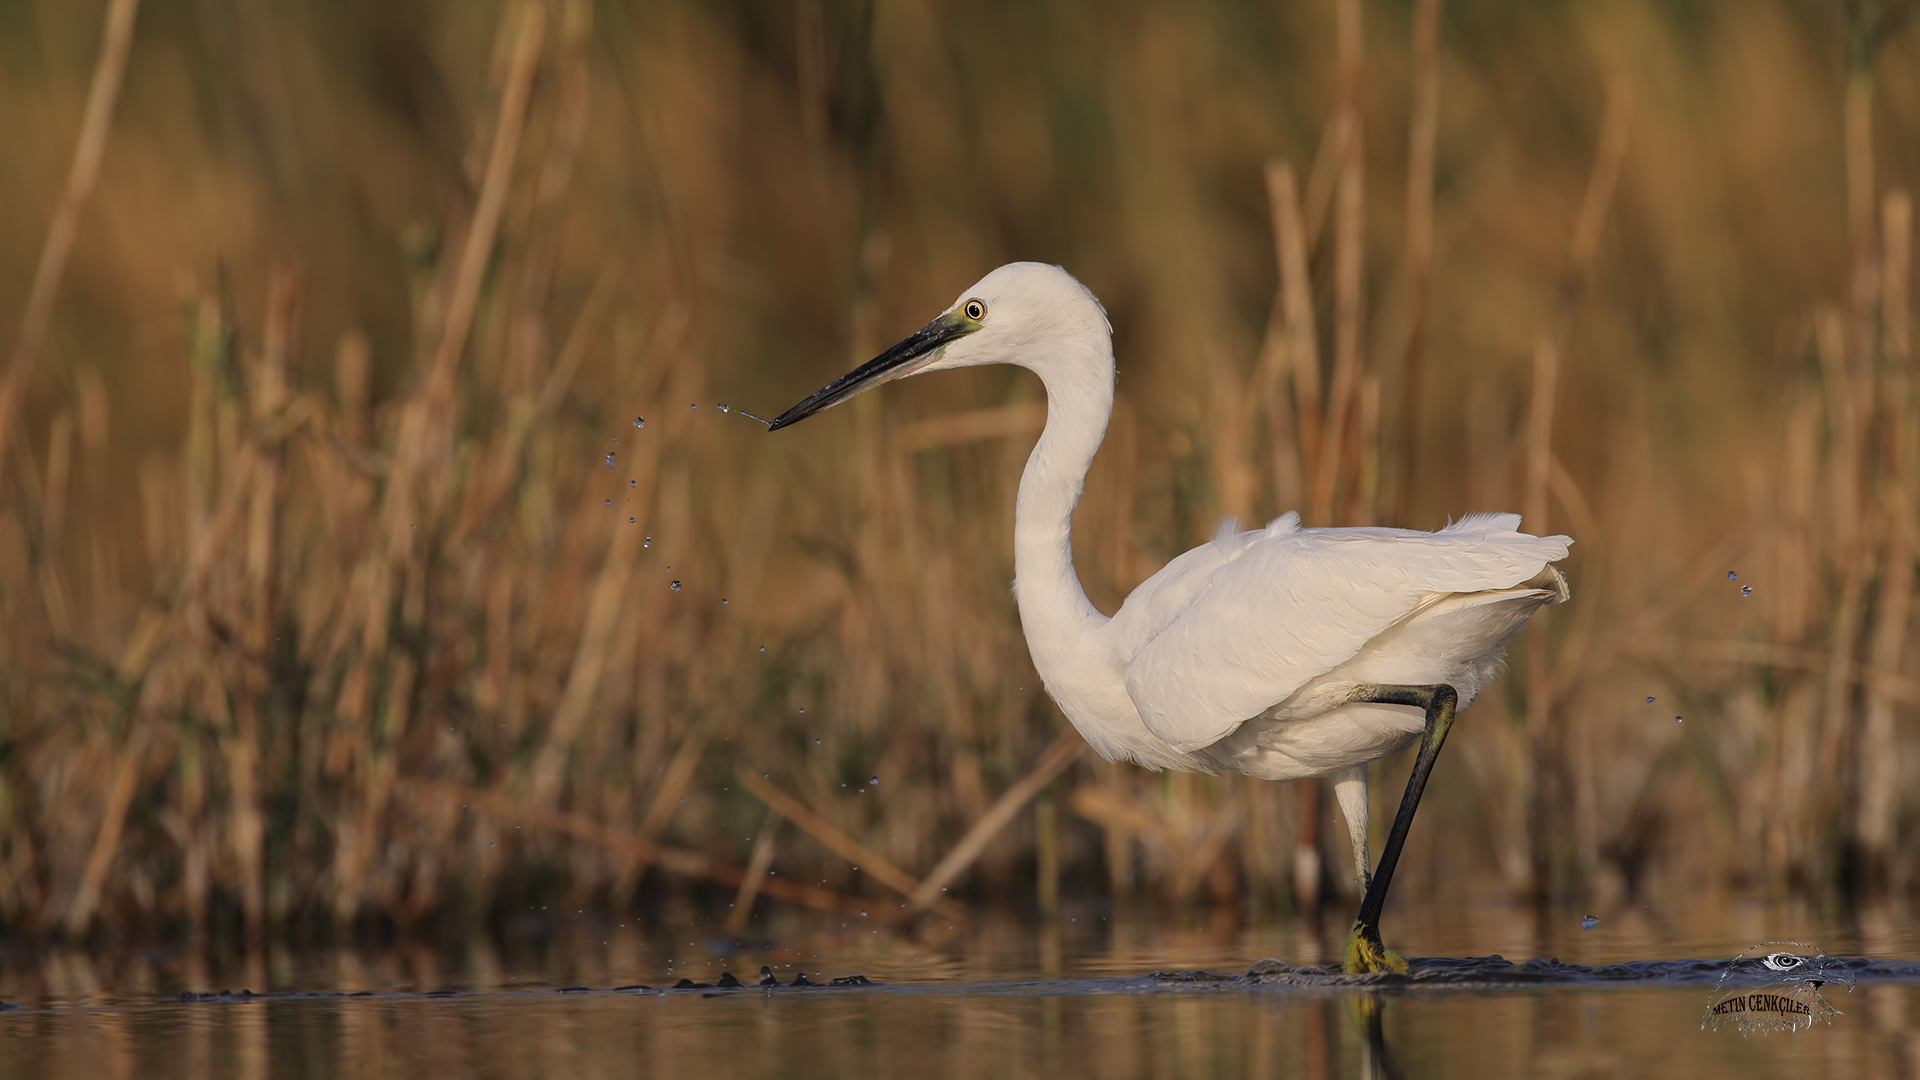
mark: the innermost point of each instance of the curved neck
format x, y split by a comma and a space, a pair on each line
1054, 609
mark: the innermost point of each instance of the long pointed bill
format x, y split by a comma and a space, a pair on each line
920, 348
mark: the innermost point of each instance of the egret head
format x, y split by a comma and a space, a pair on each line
1023, 313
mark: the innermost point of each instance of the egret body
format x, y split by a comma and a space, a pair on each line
1282, 653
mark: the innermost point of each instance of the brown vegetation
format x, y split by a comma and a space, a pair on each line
339, 580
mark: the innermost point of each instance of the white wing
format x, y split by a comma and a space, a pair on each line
1236, 626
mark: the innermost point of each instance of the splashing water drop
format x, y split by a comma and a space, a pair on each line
1746, 590
874, 782
1731, 575
1589, 922
648, 542
1649, 699
723, 407
610, 454
639, 421
674, 586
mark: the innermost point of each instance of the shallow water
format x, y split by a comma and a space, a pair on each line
998, 998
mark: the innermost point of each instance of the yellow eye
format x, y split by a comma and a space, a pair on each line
975, 310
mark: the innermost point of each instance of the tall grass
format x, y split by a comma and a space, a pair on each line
342, 586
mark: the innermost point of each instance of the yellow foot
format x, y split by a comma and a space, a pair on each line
1365, 953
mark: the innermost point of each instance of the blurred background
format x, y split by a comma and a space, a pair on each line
383, 549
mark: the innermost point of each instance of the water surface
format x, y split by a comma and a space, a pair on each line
1088, 994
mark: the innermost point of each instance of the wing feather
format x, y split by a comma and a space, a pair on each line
1236, 626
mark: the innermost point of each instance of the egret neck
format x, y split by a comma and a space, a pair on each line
1059, 621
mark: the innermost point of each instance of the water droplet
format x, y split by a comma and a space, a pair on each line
1746, 590
609, 502
723, 599
722, 407
1589, 922
863, 913
874, 781
675, 586
610, 454
1649, 699
691, 408
1731, 575
639, 421
633, 483
766, 776
803, 712
632, 521
1677, 720
648, 542
816, 742
763, 648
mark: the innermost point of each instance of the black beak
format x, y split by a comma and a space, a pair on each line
919, 349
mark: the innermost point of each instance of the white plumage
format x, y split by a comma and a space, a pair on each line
1238, 659
1246, 653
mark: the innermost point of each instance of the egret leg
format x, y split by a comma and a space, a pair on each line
1365, 952
1350, 787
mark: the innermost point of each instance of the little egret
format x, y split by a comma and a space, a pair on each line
1281, 653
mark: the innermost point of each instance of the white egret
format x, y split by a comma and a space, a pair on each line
1281, 653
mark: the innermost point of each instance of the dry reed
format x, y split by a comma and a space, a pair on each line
396, 632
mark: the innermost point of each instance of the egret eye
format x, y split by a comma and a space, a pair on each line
975, 310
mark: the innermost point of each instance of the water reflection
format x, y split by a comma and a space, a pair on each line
1000, 999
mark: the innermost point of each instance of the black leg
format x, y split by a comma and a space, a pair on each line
1364, 949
